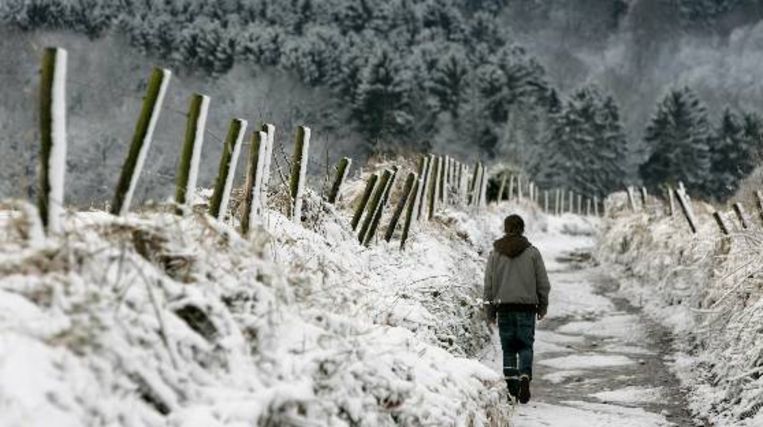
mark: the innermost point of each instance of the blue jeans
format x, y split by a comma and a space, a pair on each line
517, 332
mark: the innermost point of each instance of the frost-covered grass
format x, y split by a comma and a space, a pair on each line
156, 319
709, 292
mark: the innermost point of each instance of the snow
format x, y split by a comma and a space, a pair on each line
146, 143
270, 130
704, 290
57, 159
624, 326
631, 394
582, 414
587, 361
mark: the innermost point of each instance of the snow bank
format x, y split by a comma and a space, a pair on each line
709, 292
155, 319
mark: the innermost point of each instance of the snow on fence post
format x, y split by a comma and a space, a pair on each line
370, 184
434, 190
253, 185
511, 188
721, 223
631, 199
571, 202
644, 199
404, 199
424, 167
190, 155
557, 195
299, 171
686, 208
413, 202
50, 200
545, 201
671, 202
342, 168
218, 204
588, 207
501, 188
141, 141
270, 130
373, 204
441, 183
519, 188
377, 213
741, 215
596, 206
580, 204
472, 194
483, 187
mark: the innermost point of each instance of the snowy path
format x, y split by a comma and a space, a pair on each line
597, 361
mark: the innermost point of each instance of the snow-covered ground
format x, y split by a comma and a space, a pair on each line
155, 319
708, 292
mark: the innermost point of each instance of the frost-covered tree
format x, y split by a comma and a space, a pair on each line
678, 142
735, 150
382, 103
586, 146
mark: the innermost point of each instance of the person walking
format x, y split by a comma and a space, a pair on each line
516, 292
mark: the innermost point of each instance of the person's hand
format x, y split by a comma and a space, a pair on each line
491, 324
541, 316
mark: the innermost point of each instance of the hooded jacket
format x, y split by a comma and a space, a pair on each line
515, 275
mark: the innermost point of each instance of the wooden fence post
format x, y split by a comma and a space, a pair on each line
144, 132
545, 201
434, 189
572, 202
218, 204
441, 182
580, 204
472, 185
759, 196
370, 184
253, 184
424, 170
741, 215
644, 199
687, 210
631, 199
190, 155
520, 196
270, 130
721, 223
299, 171
511, 188
483, 187
596, 206
50, 200
374, 203
409, 213
377, 213
501, 188
342, 168
588, 207
404, 198
671, 202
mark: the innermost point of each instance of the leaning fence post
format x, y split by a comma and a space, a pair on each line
409, 213
190, 156
631, 199
253, 185
372, 205
342, 168
741, 215
407, 188
596, 206
50, 200
434, 189
370, 184
545, 201
759, 196
144, 132
441, 182
644, 199
483, 187
588, 207
218, 204
501, 188
375, 214
424, 168
299, 171
686, 208
671, 202
270, 130
721, 223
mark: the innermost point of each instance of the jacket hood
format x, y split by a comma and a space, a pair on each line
511, 246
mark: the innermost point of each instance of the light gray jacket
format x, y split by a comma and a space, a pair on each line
520, 280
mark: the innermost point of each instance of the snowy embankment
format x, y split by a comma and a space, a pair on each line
156, 319
709, 293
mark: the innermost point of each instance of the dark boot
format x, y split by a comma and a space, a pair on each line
512, 384
524, 389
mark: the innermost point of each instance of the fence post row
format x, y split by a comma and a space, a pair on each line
144, 132
218, 204
190, 155
50, 199
342, 169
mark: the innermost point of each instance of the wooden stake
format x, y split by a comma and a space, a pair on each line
218, 204
687, 211
370, 184
253, 184
190, 155
342, 169
741, 215
404, 198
